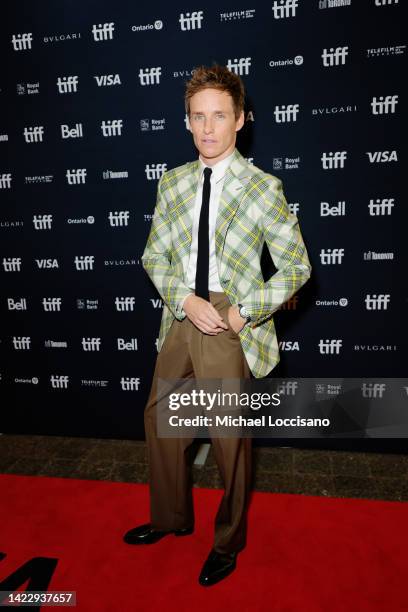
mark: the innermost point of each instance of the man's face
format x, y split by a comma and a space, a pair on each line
213, 124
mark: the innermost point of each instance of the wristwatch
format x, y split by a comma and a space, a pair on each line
244, 313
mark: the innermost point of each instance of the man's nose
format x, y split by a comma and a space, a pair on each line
208, 126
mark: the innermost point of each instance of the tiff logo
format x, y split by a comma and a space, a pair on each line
373, 389
76, 176
286, 113
21, 343
290, 304
377, 302
84, 262
59, 382
5, 181
33, 134
381, 207
112, 127
22, 42
118, 218
150, 76
155, 171
125, 304
284, 8
330, 347
239, 66
52, 304
383, 106
128, 383
91, 344
334, 160
12, 264
67, 84
331, 256
385, 2
42, 222
334, 56
191, 21
103, 31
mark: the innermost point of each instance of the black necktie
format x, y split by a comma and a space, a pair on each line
203, 254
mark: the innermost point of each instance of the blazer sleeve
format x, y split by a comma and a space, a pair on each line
157, 257
288, 252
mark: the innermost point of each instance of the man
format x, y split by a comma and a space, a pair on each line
203, 253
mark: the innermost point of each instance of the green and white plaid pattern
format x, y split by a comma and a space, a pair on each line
252, 210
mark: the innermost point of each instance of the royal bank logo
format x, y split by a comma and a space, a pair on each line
42, 222
125, 304
239, 66
27, 88
191, 21
376, 157
87, 304
335, 56
111, 127
103, 31
155, 171
384, 105
34, 133
152, 125
333, 161
330, 346
84, 262
381, 207
12, 264
286, 163
106, 80
52, 304
67, 84
282, 9
330, 257
286, 113
377, 301
150, 76
76, 176
22, 42
118, 218
5, 180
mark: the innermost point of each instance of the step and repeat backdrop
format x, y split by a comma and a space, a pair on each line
93, 114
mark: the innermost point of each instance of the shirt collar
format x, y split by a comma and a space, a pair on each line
218, 170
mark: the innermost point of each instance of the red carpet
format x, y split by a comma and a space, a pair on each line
306, 554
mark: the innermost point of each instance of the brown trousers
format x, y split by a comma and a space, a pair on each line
187, 352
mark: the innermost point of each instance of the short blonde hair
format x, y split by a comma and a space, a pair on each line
216, 77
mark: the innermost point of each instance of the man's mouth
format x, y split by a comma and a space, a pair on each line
208, 140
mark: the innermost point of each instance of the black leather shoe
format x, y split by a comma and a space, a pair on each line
217, 567
144, 534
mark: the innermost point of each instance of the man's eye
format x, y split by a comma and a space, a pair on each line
220, 116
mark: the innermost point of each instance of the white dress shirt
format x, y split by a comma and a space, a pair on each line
217, 183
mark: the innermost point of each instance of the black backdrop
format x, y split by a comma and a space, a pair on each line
92, 113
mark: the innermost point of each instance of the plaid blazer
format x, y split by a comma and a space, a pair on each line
252, 210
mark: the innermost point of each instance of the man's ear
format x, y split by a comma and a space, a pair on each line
188, 123
240, 121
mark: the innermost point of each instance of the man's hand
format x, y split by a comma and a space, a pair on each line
235, 320
203, 315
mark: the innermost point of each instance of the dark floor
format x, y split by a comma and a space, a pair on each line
277, 470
